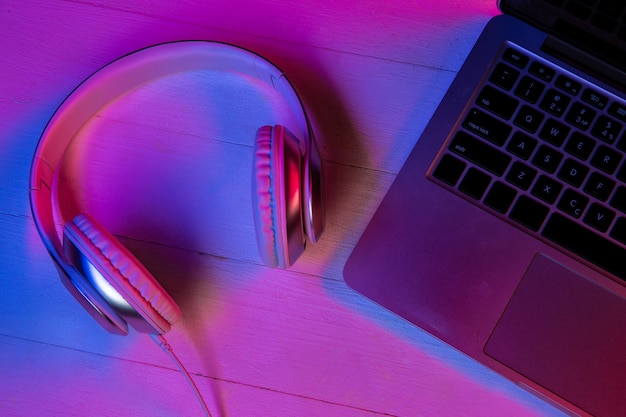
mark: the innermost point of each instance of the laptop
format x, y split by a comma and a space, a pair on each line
504, 234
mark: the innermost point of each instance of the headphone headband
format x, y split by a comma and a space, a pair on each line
131, 71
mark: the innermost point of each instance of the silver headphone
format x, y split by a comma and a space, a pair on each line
106, 279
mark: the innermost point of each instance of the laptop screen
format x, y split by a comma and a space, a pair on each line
596, 26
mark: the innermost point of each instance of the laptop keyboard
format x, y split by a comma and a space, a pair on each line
544, 150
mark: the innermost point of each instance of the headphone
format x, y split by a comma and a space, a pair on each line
103, 276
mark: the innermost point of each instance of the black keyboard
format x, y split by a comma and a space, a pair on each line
544, 150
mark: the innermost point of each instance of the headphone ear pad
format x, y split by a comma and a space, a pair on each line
123, 272
266, 221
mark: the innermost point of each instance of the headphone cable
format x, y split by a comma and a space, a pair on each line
165, 346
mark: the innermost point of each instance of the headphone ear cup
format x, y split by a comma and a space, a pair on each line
122, 271
276, 195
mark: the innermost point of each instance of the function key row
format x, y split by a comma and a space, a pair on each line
567, 84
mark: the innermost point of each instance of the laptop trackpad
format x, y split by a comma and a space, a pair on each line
567, 334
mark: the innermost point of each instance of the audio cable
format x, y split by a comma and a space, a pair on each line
165, 346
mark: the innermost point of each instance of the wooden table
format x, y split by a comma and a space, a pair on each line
167, 169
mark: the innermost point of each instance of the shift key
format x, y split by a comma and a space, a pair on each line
480, 153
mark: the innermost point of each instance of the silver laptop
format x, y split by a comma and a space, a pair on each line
504, 234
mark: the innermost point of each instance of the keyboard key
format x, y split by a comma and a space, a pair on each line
573, 203
475, 183
599, 217
486, 126
573, 172
547, 158
480, 153
618, 110
504, 76
528, 118
587, 244
568, 85
606, 129
554, 132
529, 213
580, 116
599, 186
619, 230
529, 89
621, 143
497, 102
606, 159
449, 169
521, 145
619, 199
594, 98
514, 57
547, 189
500, 197
521, 175
542, 71
621, 174
554, 102
580, 146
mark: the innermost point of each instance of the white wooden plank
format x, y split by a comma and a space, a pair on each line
282, 331
102, 386
265, 342
393, 31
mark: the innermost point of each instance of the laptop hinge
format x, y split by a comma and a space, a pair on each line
590, 64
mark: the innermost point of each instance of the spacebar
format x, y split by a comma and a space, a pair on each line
585, 243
